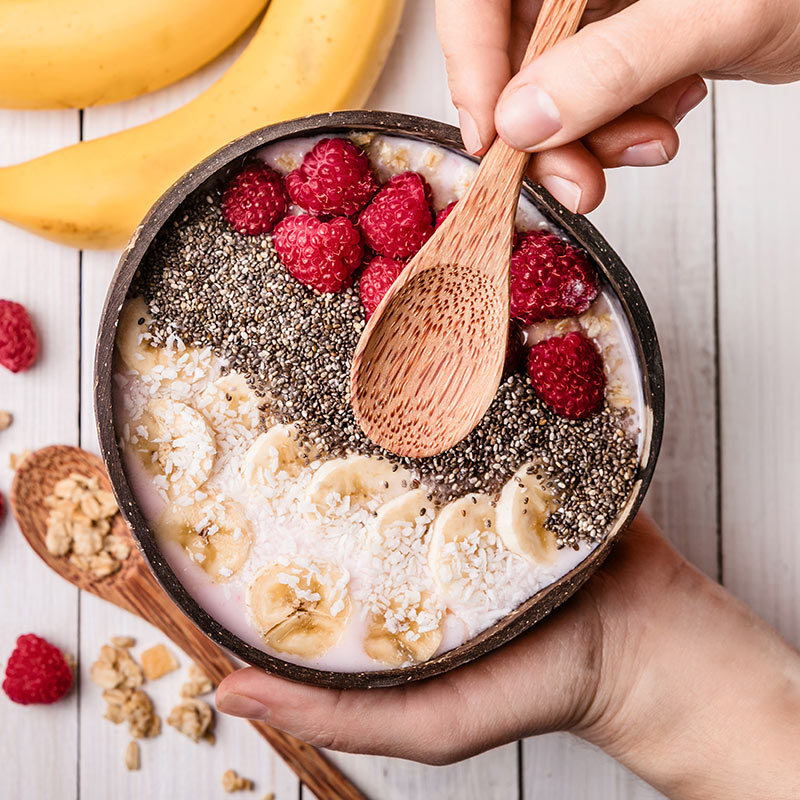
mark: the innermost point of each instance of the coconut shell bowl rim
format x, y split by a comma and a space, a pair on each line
529, 612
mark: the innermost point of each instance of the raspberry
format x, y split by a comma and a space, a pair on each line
254, 200
567, 373
514, 350
37, 672
321, 255
18, 343
376, 279
444, 213
334, 179
549, 279
398, 221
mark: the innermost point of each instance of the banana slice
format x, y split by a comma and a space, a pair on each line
279, 449
215, 534
405, 634
133, 337
300, 610
231, 397
462, 528
356, 480
521, 512
174, 444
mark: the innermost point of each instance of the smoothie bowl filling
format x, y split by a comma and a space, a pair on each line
230, 394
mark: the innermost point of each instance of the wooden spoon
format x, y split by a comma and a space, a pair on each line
430, 359
135, 589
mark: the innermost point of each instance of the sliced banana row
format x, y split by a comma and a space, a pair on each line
278, 451
133, 337
234, 394
297, 609
215, 534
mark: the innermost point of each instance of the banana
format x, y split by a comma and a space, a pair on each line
78, 53
133, 337
240, 401
406, 509
462, 528
215, 534
298, 609
277, 450
306, 57
174, 444
405, 634
356, 481
521, 512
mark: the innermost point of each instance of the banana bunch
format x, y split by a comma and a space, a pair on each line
78, 53
306, 57
299, 609
215, 534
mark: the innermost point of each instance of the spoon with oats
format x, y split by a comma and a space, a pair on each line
428, 363
52, 478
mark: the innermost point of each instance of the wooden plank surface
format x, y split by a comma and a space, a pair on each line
759, 286
44, 401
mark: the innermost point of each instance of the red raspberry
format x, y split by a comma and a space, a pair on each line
37, 672
322, 255
376, 279
567, 373
444, 213
550, 279
18, 343
255, 199
334, 179
514, 350
398, 221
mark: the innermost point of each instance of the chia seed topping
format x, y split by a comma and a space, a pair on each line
218, 289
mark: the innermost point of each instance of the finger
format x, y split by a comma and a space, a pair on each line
599, 73
572, 174
541, 681
474, 37
675, 101
634, 139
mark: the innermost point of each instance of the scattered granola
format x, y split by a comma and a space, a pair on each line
231, 782
195, 719
15, 459
158, 661
79, 525
115, 668
132, 755
5, 419
198, 684
123, 641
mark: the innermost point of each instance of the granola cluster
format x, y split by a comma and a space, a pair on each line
79, 525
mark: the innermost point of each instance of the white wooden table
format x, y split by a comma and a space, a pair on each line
712, 240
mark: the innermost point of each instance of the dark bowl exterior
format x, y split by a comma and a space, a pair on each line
529, 612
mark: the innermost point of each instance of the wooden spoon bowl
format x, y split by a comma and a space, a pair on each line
133, 588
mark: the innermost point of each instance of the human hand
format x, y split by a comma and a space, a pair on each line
613, 94
651, 660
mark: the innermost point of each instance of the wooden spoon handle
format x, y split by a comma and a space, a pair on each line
557, 20
313, 769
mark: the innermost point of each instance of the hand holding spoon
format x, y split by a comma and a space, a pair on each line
430, 359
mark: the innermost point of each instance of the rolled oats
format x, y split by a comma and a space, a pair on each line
5, 420
193, 718
231, 782
198, 684
15, 459
132, 755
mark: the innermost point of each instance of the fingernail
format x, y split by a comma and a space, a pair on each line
240, 705
646, 154
690, 99
527, 116
566, 192
469, 132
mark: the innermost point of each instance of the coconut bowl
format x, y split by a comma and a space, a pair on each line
613, 273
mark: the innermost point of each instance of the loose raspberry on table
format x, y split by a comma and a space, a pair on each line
322, 255
335, 178
37, 672
549, 279
567, 373
376, 280
398, 220
254, 199
18, 343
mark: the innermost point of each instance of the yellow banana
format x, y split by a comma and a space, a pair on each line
307, 56
78, 53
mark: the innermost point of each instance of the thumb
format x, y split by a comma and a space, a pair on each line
599, 73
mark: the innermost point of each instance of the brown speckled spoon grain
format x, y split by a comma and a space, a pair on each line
134, 589
429, 361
